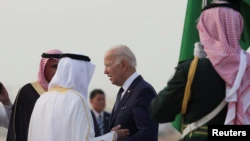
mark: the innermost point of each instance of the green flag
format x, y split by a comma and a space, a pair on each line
245, 10
190, 34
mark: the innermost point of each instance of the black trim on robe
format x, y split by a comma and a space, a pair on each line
21, 113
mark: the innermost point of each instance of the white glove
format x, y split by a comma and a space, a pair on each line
199, 50
248, 50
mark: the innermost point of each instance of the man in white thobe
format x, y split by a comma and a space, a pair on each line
62, 113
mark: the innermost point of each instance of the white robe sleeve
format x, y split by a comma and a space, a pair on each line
112, 136
5, 113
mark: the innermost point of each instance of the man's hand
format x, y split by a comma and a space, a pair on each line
121, 133
4, 96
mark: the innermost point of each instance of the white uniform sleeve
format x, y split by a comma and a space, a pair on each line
5, 113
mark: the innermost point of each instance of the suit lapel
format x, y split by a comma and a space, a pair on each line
97, 131
93, 115
111, 119
124, 100
106, 122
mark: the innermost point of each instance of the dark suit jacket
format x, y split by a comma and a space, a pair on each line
106, 123
132, 112
207, 92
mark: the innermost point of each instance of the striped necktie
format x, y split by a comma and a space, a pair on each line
101, 124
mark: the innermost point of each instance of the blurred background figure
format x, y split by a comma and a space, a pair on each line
100, 117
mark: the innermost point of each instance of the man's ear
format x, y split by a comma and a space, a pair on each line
124, 65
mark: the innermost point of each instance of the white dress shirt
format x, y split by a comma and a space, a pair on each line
128, 82
97, 114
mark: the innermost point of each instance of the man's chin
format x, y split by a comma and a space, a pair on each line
113, 83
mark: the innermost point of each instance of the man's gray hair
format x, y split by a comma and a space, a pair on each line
122, 52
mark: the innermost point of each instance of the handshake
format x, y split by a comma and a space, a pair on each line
121, 133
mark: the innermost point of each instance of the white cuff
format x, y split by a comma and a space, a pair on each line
199, 50
115, 136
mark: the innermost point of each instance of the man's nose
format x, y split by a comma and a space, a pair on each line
105, 71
